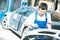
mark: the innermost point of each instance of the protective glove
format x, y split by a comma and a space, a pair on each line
35, 26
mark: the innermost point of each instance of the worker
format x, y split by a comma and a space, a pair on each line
41, 17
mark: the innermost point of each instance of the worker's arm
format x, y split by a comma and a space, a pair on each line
49, 21
30, 20
48, 25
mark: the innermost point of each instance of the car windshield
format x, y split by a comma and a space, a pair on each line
25, 11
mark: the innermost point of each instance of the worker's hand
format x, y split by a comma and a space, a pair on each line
49, 26
27, 24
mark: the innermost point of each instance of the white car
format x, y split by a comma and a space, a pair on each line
14, 22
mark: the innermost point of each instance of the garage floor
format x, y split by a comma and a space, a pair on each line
7, 35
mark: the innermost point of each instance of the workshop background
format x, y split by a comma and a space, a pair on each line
11, 6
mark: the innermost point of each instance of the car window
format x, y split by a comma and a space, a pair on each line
3, 5
15, 4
